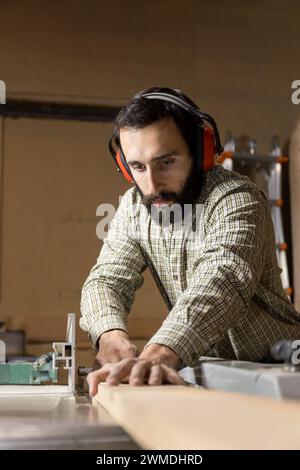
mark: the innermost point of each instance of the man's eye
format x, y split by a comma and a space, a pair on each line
167, 162
138, 167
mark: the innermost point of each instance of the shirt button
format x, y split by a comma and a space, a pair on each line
175, 277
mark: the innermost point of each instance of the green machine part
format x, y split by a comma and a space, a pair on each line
29, 373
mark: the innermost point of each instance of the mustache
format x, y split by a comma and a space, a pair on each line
164, 196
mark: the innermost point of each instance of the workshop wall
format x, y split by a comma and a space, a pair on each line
295, 202
236, 60
54, 181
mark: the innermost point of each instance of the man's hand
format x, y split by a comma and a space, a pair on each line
114, 346
159, 353
155, 366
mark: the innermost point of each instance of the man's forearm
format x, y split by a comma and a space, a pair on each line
101, 309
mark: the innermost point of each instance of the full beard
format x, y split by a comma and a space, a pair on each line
187, 195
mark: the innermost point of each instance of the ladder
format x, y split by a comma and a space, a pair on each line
271, 167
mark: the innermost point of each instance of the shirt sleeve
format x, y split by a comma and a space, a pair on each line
226, 272
109, 291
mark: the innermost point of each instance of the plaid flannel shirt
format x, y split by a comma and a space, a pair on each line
222, 280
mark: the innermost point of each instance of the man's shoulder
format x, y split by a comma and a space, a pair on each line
220, 182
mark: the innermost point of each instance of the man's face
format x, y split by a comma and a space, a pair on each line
160, 162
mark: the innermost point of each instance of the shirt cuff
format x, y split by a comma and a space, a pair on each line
106, 323
183, 340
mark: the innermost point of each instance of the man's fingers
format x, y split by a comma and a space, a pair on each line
95, 377
156, 375
120, 371
139, 372
112, 373
171, 376
136, 370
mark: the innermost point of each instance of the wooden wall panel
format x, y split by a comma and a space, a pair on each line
245, 64
1, 203
95, 51
236, 59
56, 174
295, 205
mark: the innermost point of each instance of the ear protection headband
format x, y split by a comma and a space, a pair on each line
208, 137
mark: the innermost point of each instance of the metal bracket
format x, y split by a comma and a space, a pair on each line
65, 352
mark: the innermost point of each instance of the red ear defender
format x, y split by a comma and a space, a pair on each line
208, 138
122, 166
208, 149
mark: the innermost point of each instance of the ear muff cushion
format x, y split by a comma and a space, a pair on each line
208, 149
123, 166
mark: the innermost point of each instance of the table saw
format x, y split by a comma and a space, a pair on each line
36, 412
39, 413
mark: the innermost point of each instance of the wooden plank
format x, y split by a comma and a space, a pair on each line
178, 417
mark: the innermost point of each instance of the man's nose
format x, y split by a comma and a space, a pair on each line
153, 183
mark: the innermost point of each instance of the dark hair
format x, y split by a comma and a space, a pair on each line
141, 112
